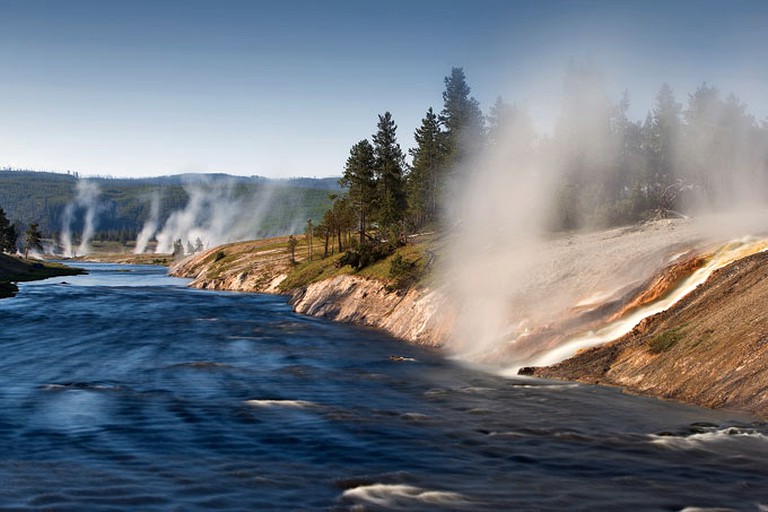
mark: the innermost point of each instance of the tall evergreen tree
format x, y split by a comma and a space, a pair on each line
703, 138
359, 180
585, 147
498, 119
7, 234
32, 239
663, 137
11, 237
425, 177
462, 118
389, 165
309, 233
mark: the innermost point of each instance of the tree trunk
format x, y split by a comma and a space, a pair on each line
361, 229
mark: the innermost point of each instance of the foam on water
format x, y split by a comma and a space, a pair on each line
294, 404
714, 436
394, 495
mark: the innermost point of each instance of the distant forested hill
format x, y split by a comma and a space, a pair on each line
122, 206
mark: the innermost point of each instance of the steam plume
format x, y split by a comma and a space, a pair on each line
522, 255
87, 196
86, 199
150, 226
219, 212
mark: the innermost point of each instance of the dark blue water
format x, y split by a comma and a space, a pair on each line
124, 390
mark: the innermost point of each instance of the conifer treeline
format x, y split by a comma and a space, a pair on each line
386, 198
608, 170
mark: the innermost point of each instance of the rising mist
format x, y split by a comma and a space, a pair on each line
220, 211
85, 208
521, 256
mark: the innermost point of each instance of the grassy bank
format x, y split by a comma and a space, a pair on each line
259, 265
406, 266
16, 269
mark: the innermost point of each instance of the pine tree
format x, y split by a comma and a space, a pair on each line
388, 168
10, 238
308, 235
462, 118
292, 243
586, 150
359, 180
32, 239
178, 249
663, 137
498, 119
703, 139
7, 234
424, 179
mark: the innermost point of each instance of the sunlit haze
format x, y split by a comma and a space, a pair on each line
284, 89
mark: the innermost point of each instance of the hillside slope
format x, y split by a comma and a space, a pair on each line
709, 349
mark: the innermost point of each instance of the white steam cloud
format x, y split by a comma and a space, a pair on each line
150, 226
219, 212
87, 199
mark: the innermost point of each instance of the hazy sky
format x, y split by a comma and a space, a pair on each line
285, 88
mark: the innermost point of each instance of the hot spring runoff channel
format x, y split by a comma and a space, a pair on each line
124, 390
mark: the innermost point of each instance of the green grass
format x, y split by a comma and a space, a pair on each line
308, 272
665, 340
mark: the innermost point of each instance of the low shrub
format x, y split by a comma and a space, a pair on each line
664, 341
403, 272
364, 255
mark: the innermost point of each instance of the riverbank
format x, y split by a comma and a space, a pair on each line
127, 258
15, 269
710, 354
417, 314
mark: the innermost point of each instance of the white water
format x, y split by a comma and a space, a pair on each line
394, 495
702, 440
298, 404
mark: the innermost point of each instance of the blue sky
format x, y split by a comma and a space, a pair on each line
285, 88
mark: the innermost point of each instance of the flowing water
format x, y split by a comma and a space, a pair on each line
124, 390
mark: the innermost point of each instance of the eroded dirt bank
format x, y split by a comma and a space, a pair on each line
709, 349
419, 316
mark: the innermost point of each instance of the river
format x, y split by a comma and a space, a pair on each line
125, 390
